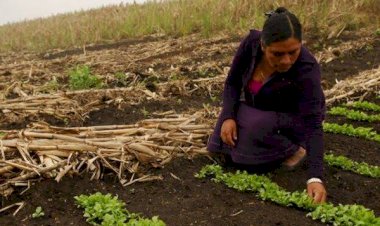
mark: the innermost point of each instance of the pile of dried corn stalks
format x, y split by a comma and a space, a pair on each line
52, 152
58, 106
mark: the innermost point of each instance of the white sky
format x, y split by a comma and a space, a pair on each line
19, 10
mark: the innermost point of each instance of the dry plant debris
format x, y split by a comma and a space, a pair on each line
59, 106
76, 105
159, 58
53, 152
366, 81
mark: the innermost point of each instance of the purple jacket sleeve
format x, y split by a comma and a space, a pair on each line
312, 111
234, 83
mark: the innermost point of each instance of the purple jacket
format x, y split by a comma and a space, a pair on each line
296, 92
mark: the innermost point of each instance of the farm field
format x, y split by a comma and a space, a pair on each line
167, 90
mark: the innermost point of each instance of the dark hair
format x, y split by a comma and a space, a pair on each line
280, 25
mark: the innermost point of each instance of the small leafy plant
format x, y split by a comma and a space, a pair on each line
81, 78
38, 212
353, 166
377, 32
106, 210
354, 115
121, 78
346, 129
267, 190
144, 112
50, 86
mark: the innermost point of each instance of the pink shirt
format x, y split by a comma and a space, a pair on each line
254, 86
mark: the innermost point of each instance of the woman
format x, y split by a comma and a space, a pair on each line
273, 103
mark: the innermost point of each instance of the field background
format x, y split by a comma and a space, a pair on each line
325, 19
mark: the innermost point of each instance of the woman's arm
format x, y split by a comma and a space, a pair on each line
312, 111
233, 83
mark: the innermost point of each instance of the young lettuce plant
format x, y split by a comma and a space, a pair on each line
38, 212
106, 210
268, 190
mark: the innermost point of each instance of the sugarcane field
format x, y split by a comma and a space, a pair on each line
122, 125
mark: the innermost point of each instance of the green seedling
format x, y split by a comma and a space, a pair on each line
377, 32
121, 78
38, 212
145, 112
50, 86
106, 210
213, 98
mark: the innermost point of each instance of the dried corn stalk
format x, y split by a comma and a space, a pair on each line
365, 82
53, 152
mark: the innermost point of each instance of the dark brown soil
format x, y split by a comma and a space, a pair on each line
191, 201
351, 63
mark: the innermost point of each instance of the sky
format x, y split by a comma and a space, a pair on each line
19, 10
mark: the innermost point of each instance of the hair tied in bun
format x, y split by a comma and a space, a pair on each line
281, 10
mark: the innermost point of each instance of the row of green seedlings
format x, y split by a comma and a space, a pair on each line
265, 189
364, 105
106, 210
345, 163
362, 132
357, 114
81, 77
349, 130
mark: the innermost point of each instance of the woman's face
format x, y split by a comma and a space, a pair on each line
282, 55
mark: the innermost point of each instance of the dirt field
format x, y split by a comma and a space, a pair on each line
174, 69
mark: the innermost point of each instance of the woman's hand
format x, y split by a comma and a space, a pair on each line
229, 132
317, 192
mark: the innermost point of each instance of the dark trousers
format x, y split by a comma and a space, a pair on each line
264, 137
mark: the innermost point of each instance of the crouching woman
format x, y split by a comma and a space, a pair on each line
273, 103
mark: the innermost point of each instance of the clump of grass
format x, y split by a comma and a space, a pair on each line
178, 18
81, 78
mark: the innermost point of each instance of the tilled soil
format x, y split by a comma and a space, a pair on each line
180, 198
